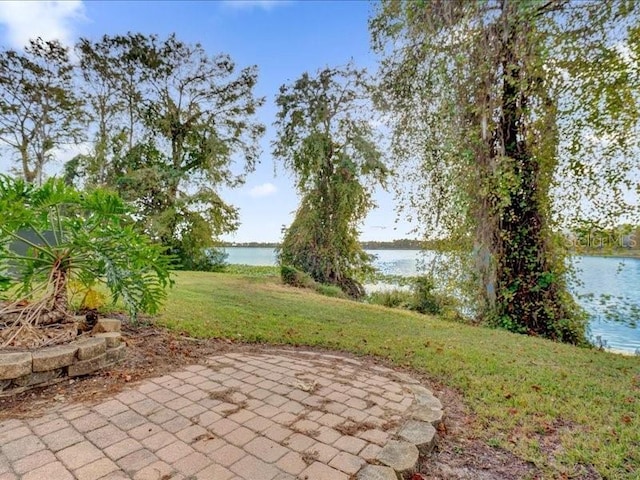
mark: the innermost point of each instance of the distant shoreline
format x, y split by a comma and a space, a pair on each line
415, 245
614, 254
368, 245
619, 351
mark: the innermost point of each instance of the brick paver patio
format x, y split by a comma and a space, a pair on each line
272, 415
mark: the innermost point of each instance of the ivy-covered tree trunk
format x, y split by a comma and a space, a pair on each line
527, 283
494, 104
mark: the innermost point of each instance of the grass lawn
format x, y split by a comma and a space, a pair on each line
526, 393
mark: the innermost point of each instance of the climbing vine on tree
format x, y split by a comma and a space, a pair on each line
325, 138
491, 105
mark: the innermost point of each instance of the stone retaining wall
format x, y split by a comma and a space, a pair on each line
20, 371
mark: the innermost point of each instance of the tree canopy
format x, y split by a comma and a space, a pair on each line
39, 107
490, 105
170, 123
326, 139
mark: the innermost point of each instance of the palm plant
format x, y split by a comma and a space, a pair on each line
51, 235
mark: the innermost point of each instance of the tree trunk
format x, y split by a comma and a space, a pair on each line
527, 283
58, 312
29, 175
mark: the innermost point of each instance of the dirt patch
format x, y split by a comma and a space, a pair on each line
460, 454
153, 351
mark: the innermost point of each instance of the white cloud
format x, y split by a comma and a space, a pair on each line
65, 153
263, 190
51, 20
251, 4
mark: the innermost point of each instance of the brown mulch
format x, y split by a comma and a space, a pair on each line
153, 351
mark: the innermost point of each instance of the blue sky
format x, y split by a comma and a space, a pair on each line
284, 38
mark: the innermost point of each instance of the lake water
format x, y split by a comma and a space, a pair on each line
617, 280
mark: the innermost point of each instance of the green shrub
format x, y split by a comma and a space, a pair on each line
296, 278
422, 298
215, 260
53, 236
425, 299
395, 298
330, 290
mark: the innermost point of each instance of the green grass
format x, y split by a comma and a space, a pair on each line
253, 270
525, 392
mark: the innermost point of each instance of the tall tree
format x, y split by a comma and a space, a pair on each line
110, 82
490, 104
187, 119
325, 138
39, 109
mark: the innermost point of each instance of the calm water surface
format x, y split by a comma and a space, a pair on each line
615, 278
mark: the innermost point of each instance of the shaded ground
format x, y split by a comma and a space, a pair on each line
153, 352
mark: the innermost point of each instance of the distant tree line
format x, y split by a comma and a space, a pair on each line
400, 244
626, 237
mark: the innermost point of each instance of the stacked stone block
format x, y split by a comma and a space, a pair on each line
48, 365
